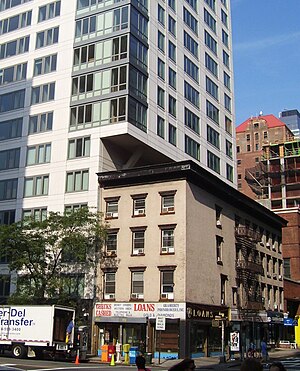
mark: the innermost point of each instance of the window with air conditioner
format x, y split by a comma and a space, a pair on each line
167, 240
138, 242
167, 284
167, 203
137, 285
111, 243
112, 208
139, 206
109, 285
218, 216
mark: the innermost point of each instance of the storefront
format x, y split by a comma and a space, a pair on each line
275, 327
188, 328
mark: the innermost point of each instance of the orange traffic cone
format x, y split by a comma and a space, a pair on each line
112, 362
77, 359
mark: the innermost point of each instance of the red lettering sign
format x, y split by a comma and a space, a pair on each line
143, 307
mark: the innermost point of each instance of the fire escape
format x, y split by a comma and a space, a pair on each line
249, 269
257, 179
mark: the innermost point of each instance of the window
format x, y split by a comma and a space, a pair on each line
212, 112
213, 162
191, 44
227, 80
211, 65
161, 42
167, 284
39, 154
11, 129
43, 93
227, 102
191, 69
45, 65
211, 4
167, 240
138, 241
7, 217
12, 101
40, 123
172, 106
15, 22
226, 59
172, 4
36, 186
223, 289
161, 69
212, 88
167, 202
248, 148
112, 207
257, 159
172, 135
111, 242
191, 94
4, 286
210, 42
225, 38
172, 78
224, 2
287, 267
248, 137
160, 127
172, 51
137, 285
209, 20
213, 137
224, 18
193, 4
219, 244
228, 125
191, 120
9, 159
47, 37
172, 25
161, 15
229, 172
265, 135
139, 23
79, 147
7, 4
139, 205
218, 216
139, 51
69, 209
137, 82
109, 285
49, 11
38, 214
239, 162
192, 148
77, 181
190, 21
228, 148
13, 73
160, 97
8, 189
14, 47
72, 284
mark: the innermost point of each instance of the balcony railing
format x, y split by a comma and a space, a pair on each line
248, 233
255, 267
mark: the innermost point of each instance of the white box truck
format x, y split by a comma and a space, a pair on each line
24, 329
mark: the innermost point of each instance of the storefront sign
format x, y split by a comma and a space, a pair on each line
275, 317
160, 323
235, 341
290, 322
194, 311
133, 310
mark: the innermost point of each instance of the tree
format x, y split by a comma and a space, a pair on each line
50, 256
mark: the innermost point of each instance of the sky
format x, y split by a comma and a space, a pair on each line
266, 56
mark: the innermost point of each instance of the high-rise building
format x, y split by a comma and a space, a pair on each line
93, 85
292, 119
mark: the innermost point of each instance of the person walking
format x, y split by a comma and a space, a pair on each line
264, 350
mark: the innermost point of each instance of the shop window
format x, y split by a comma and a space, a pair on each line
112, 208
167, 284
139, 205
109, 285
137, 285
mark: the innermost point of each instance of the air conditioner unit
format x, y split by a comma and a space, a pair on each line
218, 223
111, 253
141, 211
222, 301
137, 296
138, 251
109, 296
219, 259
167, 249
168, 295
109, 214
168, 209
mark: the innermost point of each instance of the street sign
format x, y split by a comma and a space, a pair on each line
160, 323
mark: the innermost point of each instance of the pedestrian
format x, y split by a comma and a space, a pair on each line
186, 365
141, 363
264, 350
251, 364
277, 366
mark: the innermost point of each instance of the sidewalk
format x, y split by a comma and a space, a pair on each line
210, 362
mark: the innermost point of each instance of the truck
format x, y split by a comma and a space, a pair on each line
28, 330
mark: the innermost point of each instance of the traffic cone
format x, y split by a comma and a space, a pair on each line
77, 359
112, 362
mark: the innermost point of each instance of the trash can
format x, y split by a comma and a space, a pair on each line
148, 358
104, 354
133, 352
126, 348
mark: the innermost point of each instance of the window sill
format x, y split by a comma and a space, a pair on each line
143, 254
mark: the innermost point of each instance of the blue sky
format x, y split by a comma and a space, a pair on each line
266, 56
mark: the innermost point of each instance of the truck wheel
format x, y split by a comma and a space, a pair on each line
18, 351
